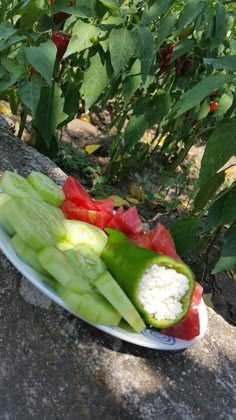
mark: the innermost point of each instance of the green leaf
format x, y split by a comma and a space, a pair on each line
132, 82
29, 91
31, 12
227, 258
223, 209
7, 30
207, 191
157, 109
220, 147
122, 48
84, 8
81, 37
134, 131
6, 43
11, 71
224, 104
181, 48
111, 4
223, 63
71, 94
144, 49
42, 58
95, 80
184, 231
50, 112
191, 10
200, 91
166, 26
220, 28
158, 8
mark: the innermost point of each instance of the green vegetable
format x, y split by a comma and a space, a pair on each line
4, 198
128, 263
47, 188
111, 290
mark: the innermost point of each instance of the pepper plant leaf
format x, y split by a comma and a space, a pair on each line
223, 210
111, 4
227, 62
227, 258
49, 114
122, 48
167, 24
10, 71
132, 81
184, 231
156, 9
199, 92
29, 91
81, 37
144, 49
96, 79
42, 58
134, 131
219, 149
207, 191
191, 10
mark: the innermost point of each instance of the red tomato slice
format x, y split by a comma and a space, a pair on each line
94, 217
163, 242
130, 222
75, 192
115, 221
189, 327
127, 221
186, 329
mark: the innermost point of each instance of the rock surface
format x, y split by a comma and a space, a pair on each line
54, 366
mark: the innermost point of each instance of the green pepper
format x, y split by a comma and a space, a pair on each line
128, 263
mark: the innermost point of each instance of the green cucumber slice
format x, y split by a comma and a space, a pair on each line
47, 188
92, 307
27, 254
3, 219
56, 263
111, 290
51, 215
31, 228
78, 232
16, 186
87, 260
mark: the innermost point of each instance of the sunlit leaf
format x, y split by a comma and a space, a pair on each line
91, 148
122, 48
227, 258
95, 80
42, 58
119, 201
219, 149
144, 49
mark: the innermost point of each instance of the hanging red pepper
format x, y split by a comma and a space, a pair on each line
61, 41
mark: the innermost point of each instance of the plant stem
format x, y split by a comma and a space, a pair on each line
23, 117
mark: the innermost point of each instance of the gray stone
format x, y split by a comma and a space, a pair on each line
55, 366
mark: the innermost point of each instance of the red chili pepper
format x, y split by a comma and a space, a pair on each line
213, 106
61, 41
60, 16
171, 48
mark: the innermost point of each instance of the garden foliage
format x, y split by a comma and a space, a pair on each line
168, 66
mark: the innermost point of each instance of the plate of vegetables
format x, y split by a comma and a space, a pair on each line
98, 265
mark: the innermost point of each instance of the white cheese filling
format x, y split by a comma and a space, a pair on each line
160, 292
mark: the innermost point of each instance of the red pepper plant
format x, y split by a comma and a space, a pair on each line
168, 67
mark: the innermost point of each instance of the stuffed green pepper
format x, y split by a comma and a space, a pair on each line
160, 287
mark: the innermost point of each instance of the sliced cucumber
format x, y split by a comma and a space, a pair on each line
92, 307
47, 188
59, 266
111, 290
31, 228
78, 232
3, 219
51, 215
87, 260
16, 186
27, 254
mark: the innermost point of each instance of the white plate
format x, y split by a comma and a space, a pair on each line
150, 337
